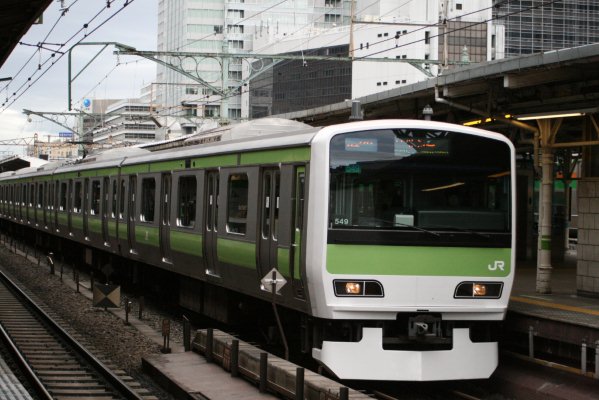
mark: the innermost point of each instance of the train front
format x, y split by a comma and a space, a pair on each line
410, 249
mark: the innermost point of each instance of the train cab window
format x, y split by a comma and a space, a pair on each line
186, 198
63, 196
148, 194
95, 206
122, 200
237, 203
300, 190
78, 197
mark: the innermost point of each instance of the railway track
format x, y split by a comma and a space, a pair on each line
62, 367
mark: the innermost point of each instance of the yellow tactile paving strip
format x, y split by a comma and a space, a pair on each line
557, 306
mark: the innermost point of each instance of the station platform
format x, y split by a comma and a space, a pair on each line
563, 304
10, 386
559, 330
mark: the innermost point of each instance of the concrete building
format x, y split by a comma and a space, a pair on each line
226, 26
383, 30
127, 121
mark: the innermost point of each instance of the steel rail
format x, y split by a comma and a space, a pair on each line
24, 367
98, 365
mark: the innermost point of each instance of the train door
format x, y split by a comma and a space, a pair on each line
298, 229
211, 222
44, 204
104, 210
131, 213
165, 217
269, 221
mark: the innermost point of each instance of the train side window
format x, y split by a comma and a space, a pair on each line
78, 197
95, 206
148, 192
186, 198
237, 203
122, 200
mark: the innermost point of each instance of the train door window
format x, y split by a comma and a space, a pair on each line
132, 199
237, 203
266, 182
50, 196
105, 196
186, 201
63, 196
212, 209
122, 200
299, 207
148, 192
31, 195
166, 192
95, 206
78, 197
86, 196
40, 195
276, 200
114, 199
298, 223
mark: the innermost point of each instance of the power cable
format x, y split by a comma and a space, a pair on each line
85, 26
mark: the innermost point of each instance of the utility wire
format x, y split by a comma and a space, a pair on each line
416, 41
85, 26
62, 14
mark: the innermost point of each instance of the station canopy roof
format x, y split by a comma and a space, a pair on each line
16, 17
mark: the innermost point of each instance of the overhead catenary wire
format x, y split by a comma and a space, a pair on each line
204, 99
85, 26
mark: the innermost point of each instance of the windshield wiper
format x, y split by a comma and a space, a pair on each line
416, 228
465, 230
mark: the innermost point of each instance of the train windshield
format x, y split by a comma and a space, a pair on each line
418, 179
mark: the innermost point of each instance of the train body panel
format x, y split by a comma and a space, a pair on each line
408, 283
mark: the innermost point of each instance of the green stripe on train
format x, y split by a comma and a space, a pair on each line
215, 161
283, 261
147, 235
123, 230
275, 156
94, 225
76, 221
112, 228
238, 253
415, 260
186, 242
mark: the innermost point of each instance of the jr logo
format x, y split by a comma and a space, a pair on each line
496, 265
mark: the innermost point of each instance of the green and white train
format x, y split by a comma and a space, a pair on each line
396, 237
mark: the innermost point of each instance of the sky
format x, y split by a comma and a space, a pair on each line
135, 25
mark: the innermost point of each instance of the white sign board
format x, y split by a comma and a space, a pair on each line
267, 282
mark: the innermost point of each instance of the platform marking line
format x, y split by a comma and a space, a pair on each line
555, 305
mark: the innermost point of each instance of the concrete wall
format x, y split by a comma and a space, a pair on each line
587, 280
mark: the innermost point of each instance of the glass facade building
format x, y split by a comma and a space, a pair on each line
532, 26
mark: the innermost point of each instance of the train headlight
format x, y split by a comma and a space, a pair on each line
351, 288
478, 290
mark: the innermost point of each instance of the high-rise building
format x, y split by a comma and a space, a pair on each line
410, 36
231, 26
384, 28
533, 26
